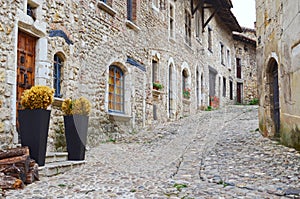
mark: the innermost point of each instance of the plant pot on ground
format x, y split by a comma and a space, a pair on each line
76, 125
34, 121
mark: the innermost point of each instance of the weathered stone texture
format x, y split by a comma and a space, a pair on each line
95, 39
278, 43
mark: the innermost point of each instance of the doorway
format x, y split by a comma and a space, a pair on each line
239, 91
274, 95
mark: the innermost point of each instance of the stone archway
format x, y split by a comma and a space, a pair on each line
273, 93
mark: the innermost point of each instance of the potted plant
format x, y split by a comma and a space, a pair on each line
187, 93
34, 121
157, 85
76, 125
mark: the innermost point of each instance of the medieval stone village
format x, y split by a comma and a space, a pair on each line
149, 99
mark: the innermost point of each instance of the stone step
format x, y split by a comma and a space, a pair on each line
56, 157
54, 168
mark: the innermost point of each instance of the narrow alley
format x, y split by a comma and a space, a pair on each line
214, 154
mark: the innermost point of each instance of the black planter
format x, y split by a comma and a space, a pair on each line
33, 129
76, 133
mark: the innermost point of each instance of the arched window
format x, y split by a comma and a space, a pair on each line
57, 76
116, 90
185, 84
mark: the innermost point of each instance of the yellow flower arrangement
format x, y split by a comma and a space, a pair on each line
37, 97
67, 106
80, 106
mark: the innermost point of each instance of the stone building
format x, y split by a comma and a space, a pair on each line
246, 71
111, 51
278, 57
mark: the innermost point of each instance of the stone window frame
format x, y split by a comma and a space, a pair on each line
188, 28
171, 12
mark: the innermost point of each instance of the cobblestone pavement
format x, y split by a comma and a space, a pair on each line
217, 154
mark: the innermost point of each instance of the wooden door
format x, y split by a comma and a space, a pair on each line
25, 64
239, 90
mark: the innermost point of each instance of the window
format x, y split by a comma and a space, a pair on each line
116, 90
238, 68
31, 11
197, 23
231, 90
228, 59
188, 32
57, 78
131, 10
186, 91
154, 71
184, 79
210, 39
224, 87
172, 22
222, 53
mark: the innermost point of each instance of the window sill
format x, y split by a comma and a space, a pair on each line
57, 102
186, 101
156, 93
199, 40
107, 8
172, 39
188, 46
119, 117
132, 25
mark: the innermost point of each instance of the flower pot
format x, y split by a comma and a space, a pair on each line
33, 129
76, 134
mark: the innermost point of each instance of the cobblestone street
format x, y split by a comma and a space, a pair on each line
214, 154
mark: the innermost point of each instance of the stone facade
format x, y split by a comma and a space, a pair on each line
156, 43
278, 70
245, 46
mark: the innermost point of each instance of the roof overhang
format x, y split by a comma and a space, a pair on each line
219, 7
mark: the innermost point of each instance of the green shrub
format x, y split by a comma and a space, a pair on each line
254, 102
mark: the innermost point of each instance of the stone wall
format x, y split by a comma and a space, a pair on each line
245, 46
91, 36
7, 76
278, 51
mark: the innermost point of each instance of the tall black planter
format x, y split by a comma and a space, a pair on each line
33, 129
76, 133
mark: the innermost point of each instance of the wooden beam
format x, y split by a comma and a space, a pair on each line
199, 5
204, 24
